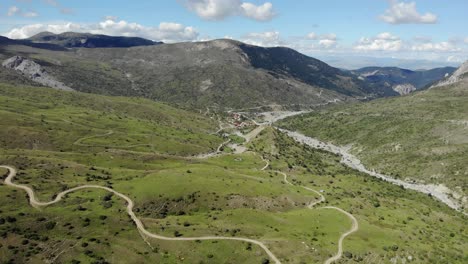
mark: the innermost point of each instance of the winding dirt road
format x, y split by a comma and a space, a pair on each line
354, 227
79, 141
36, 203
141, 228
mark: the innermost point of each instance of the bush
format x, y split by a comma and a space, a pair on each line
107, 197
10, 219
50, 225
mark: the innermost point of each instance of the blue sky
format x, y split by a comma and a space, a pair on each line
418, 29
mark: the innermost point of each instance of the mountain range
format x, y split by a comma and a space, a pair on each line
219, 74
403, 81
151, 154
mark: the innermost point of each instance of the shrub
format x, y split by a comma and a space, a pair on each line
50, 225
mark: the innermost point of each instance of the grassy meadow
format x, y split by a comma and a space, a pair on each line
59, 140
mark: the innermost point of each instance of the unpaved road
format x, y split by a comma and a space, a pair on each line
35, 203
215, 153
79, 141
254, 133
355, 224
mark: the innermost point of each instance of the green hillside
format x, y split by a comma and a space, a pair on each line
46, 119
59, 140
422, 136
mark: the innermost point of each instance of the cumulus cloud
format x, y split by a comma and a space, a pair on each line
260, 13
264, 39
315, 36
166, 31
113, 18
326, 41
312, 36
382, 42
16, 11
435, 47
456, 59
56, 4
418, 45
466, 40
30, 14
406, 13
52, 2
221, 9
33, 29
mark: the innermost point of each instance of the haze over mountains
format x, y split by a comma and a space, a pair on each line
218, 73
403, 81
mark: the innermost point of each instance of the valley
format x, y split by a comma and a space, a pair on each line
270, 196
122, 149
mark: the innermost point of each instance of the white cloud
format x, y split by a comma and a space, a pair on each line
14, 10
456, 59
113, 18
221, 9
315, 36
312, 36
466, 40
325, 41
330, 36
166, 31
435, 47
382, 42
214, 9
30, 14
260, 13
406, 13
31, 30
264, 39
52, 2
56, 4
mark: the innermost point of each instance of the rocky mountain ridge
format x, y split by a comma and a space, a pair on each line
219, 74
461, 74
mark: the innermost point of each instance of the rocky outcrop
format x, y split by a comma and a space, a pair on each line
403, 89
460, 74
34, 71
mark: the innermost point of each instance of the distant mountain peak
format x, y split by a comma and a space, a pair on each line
88, 40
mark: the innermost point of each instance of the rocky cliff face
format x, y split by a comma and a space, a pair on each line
34, 71
459, 75
403, 89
